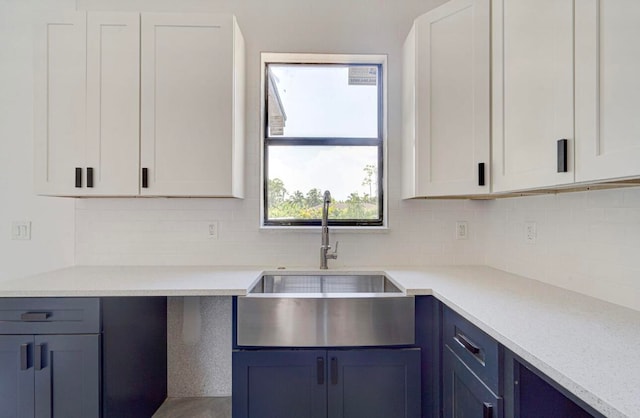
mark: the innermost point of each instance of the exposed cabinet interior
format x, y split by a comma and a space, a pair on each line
446, 102
134, 104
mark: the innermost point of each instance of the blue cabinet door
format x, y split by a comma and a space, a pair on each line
67, 376
374, 383
464, 394
16, 376
279, 384
528, 393
428, 339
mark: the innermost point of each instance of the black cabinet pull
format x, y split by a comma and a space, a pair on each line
562, 155
78, 177
471, 347
481, 179
334, 371
320, 370
89, 176
145, 177
487, 410
34, 316
24, 357
37, 361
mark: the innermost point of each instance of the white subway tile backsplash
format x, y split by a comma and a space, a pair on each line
582, 237
587, 241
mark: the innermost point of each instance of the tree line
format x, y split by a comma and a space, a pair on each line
298, 205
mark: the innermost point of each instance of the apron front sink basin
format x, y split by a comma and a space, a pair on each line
325, 310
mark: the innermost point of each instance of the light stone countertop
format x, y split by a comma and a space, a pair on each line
588, 346
135, 281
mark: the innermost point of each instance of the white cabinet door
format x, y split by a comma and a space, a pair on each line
188, 104
607, 89
59, 102
87, 104
532, 92
447, 101
113, 103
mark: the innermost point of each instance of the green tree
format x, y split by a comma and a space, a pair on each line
371, 177
314, 197
297, 199
355, 207
276, 192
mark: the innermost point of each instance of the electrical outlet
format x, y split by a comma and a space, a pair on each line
530, 232
212, 232
462, 230
21, 230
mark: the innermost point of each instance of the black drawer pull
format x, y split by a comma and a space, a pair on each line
145, 177
563, 145
481, 172
78, 177
89, 176
487, 410
334, 371
37, 361
320, 370
35, 316
24, 357
471, 347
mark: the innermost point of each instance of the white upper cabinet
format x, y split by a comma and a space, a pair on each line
532, 93
87, 104
59, 102
607, 89
192, 105
446, 101
113, 80
124, 109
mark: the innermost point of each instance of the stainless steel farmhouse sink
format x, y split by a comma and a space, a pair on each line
325, 310
314, 284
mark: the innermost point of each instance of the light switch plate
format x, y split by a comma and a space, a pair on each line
21, 230
462, 230
530, 232
212, 232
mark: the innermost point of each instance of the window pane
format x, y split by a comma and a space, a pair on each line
299, 175
336, 101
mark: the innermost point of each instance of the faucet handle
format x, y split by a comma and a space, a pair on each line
334, 254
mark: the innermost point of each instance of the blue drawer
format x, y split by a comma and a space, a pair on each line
475, 348
49, 315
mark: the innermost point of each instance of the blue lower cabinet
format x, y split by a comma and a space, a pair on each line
464, 394
374, 383
16, 376
279, 384
531, 394
67, 376
367, 383
82, 357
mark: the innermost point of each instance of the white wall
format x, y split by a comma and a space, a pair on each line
52, 219
588, 242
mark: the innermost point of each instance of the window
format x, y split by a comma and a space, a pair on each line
323, 130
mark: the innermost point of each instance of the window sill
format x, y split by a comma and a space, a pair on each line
334, 229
